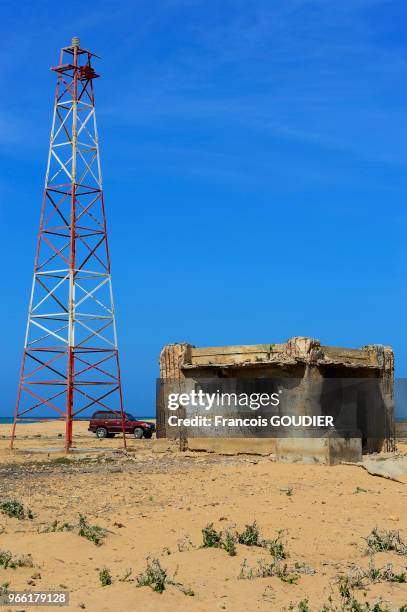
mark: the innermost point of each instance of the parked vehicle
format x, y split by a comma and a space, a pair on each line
107, 424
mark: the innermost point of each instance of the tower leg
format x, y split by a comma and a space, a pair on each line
13, 431
123, 417
69, 402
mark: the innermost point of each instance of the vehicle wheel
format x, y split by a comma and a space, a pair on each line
138, 433
148, 434
101, 433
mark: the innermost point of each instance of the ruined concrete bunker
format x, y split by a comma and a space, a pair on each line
311, 365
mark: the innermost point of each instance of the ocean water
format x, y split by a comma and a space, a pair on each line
5, 420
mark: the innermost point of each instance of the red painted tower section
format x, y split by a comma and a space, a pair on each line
70, 364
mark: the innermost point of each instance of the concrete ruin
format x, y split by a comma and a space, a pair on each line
301, 358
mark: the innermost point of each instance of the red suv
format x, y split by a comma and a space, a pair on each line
106, 424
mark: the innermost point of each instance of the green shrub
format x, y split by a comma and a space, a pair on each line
303, 606
383, 540
94, 533
156, 578
228, 543
250, 536
286, 575
385, 574
350, 603
210, 537
289, 491
105, 577
276, 547
216, 539
14, 509
8, 560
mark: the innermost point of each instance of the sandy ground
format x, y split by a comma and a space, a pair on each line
154, 502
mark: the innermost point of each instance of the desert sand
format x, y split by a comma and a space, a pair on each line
154, 502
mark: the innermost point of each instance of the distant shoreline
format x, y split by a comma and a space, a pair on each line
7, 420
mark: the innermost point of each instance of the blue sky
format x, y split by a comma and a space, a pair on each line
254, 165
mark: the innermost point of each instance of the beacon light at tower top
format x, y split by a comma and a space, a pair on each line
70, 364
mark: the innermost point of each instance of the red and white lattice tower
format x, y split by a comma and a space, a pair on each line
71, 362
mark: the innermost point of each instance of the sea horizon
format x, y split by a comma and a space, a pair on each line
6, 420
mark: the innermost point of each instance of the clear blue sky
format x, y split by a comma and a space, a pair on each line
254, 162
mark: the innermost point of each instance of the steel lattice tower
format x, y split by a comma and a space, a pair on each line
70, 361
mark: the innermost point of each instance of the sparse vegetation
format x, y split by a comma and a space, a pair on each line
187, 591
94, 533
4, 588
387, 574
126, 576
184, 544
57, 526
246, 572
210, 537
303, 568
15, 509
358, 578
351, 604
347, 603
302, 606
384, 540
353, 580
229, 543
265, 570
8, 560
250, 536
276, 547
105, 577
219, 539
360, 490
282, 571
156, 578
